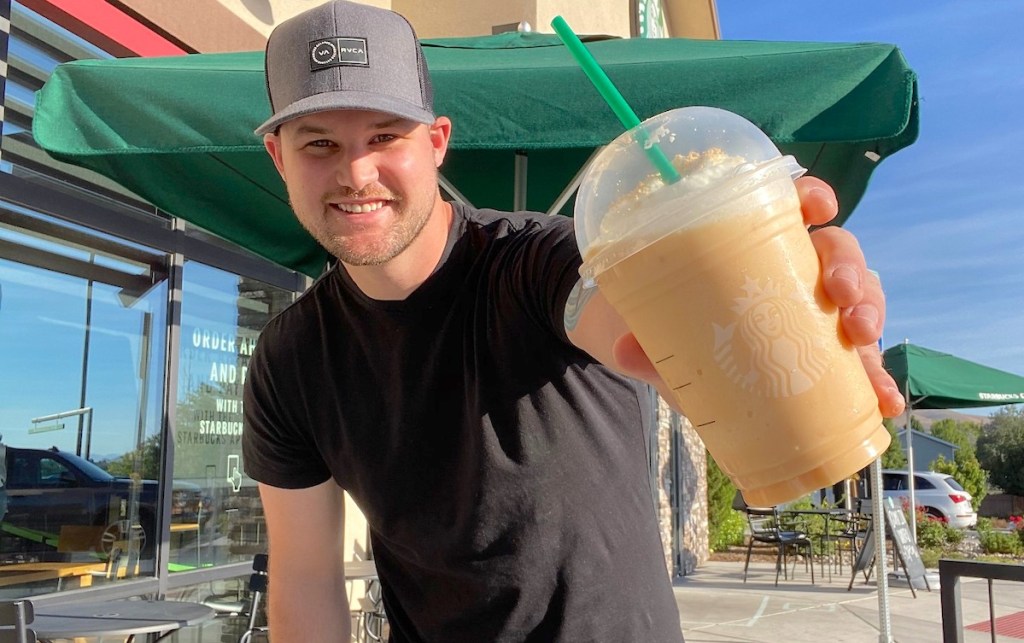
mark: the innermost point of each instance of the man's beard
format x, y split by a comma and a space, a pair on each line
395, 240
392, 242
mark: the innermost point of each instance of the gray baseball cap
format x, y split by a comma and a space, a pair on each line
345, 55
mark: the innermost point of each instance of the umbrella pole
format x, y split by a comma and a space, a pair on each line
519, 182
909, 432
881, 564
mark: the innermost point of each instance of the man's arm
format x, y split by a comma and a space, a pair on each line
308, 602
594, 326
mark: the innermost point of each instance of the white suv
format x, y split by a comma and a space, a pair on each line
938, 493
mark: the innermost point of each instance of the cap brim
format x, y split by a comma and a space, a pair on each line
329, 101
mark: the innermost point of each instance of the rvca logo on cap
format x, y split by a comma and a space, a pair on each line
337, 51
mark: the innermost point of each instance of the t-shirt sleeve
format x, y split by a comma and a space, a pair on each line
544, 270
278, 448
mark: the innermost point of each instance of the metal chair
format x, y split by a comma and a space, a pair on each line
15, 617
234, 606
372, 620
852, 530
258, 582
766, 529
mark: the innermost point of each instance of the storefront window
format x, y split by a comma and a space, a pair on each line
222, 315
82, 347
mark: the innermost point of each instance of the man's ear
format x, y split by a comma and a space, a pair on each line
272, 142
440, 134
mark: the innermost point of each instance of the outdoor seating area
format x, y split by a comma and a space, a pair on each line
715, 605
247, 609
829, 537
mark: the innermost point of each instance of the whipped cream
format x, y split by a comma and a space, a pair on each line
698, 171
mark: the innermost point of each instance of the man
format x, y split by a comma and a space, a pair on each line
450, 374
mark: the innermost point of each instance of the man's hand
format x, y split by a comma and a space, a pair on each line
850, 286
846, 281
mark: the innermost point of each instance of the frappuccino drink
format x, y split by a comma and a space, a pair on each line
716, 276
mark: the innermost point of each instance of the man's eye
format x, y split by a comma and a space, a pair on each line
382, 138
322, 142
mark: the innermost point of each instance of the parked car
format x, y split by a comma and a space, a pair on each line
939, 494
57, 499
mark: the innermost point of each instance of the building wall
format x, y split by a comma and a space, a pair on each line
262, 15
692, 19
609, 18
682, 498
927, 449
456, 18
206, 28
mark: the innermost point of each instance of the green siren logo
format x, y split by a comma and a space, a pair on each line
773, 348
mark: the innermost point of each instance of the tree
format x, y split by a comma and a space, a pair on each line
145, 461
725, 524
962, 434
1001, 449
894, 457
965, 469
915, 423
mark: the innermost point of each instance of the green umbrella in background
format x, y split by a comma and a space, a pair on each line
177, 131
933, 380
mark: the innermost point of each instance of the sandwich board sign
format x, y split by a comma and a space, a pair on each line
898, 531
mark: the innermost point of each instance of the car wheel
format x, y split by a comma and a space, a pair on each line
935, 514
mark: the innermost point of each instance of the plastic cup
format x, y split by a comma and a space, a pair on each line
716, 276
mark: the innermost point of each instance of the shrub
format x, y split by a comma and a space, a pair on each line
722, 518
984, 525
954, 536
729, 531
931, 533
1000, 542
930, 556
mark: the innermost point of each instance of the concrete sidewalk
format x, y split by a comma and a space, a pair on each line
715, 605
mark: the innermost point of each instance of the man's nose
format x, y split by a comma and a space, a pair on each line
356, 171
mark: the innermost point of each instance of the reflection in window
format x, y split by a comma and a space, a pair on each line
222, 316
82, 334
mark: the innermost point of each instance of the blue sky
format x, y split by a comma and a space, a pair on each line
942, 221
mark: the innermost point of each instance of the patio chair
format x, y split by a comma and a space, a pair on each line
372, 621
246, 606
852, 530
766, 530
258, 583
15, 618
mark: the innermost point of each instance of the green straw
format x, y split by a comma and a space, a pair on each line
611, 95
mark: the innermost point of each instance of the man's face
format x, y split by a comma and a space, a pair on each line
362, 183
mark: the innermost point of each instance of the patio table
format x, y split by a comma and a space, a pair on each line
156, 619
828, 514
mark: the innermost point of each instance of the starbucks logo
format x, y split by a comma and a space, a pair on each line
773, 347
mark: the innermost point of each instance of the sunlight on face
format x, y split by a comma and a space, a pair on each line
362, 183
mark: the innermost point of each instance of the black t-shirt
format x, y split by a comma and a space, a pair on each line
503, 471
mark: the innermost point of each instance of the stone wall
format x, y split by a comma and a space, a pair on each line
682, 492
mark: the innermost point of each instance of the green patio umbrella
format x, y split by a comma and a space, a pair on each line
934, 380
177, 131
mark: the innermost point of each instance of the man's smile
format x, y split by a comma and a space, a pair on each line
360, 208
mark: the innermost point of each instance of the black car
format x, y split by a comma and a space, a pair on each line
58, 500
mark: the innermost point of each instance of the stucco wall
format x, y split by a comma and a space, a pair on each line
448, 18
239, 25
262, 15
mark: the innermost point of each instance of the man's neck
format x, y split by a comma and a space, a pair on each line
398, 278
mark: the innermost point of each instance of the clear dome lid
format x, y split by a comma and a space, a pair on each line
622, 198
